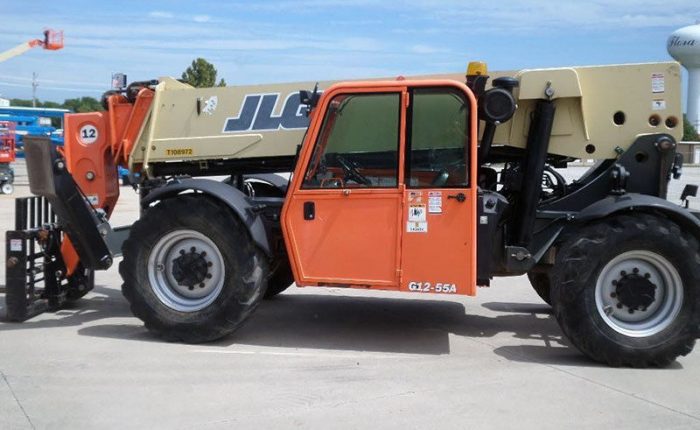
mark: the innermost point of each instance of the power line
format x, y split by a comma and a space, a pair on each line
53, 81
77, 90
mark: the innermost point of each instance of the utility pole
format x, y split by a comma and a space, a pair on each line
34, 85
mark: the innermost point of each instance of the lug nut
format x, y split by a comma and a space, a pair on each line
613, 295
208, 275
614, 282
209, 264
191, 287
182, 252
631, 311
623, 273
635, 270
201, 285
619, 305
647, 275
193, 249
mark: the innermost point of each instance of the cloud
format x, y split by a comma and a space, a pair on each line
161, 14
201, 18
427, 49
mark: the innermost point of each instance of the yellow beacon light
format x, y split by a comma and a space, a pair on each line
477, 68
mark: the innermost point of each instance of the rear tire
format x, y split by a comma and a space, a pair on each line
625, 290
542, 285
279, 281
191, 272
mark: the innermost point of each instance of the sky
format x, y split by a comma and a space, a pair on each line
309, 40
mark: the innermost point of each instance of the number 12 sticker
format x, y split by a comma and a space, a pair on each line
88, 134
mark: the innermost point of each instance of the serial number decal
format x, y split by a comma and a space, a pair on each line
427, 287
183, 151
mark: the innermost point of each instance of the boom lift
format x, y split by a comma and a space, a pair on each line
418, 185
52, 41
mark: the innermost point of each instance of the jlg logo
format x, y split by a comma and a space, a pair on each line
257, 114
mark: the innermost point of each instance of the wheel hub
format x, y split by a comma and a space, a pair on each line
639, 293
191, 269
186, 270
634, 291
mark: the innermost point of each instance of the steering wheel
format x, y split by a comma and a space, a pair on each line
441, 179
351, 172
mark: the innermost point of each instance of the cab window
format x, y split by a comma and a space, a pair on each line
438, 153
357, 146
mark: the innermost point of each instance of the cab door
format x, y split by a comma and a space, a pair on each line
343, 214
438, 253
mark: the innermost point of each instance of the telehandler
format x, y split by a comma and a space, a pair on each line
428, 186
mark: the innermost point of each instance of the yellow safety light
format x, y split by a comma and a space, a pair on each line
477, 68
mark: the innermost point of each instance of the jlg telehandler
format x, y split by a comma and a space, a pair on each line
419, 185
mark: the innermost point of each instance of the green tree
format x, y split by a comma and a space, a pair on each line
690, 134
83, 104
21, 103
201, 74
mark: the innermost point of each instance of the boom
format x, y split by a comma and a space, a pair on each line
53, 40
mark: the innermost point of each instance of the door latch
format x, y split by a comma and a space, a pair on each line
460, 197
309, 211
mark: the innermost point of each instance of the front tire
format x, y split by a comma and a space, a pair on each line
542, 285
625, 290
191, 272
7, 188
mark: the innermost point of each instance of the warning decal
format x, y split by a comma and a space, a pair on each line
416, 213
417, 219
659, 104
435, 202
416, 227
658, 83
15, 245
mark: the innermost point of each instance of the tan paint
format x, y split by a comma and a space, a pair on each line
586, 100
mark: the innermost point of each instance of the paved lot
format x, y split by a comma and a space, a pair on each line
329, 358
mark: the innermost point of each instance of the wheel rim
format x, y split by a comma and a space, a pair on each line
639, 293
186, 270
7, 188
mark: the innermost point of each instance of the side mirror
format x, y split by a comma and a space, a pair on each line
310, 98
305, 97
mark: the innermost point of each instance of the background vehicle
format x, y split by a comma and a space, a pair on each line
424, 186
7, 156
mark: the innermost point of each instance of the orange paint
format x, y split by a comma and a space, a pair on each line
358, 237
95, 143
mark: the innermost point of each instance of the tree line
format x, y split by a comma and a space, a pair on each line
200, 74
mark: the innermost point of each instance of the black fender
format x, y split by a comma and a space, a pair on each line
232, 197
643, 203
